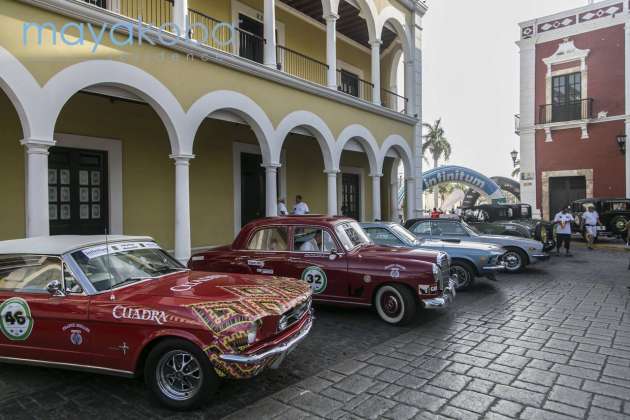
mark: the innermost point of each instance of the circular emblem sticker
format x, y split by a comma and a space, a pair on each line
316, 277
16, 321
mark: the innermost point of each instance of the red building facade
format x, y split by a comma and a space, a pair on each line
574, 106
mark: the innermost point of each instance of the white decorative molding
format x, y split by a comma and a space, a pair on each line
586, 173
548, 137
566, 53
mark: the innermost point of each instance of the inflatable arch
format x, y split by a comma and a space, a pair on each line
478, 182
506, 184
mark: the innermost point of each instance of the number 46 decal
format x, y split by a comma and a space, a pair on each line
316, 277
16, 321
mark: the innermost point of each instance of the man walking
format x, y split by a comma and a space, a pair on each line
590, 218
282, 208
300, 208
563, 232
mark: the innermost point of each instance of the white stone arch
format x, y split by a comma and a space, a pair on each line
364, 137
403, 149
316, 127
240, 105
61, 87
398, 20
26, 96
368, 12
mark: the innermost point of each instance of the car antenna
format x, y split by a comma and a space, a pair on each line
109, 270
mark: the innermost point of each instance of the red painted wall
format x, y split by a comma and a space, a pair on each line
606, 82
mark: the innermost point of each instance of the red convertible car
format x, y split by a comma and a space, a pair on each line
342, 265
123, 306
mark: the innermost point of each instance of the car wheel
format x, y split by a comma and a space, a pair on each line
463, 273
515, 260
619, 224
179, 375
395, 304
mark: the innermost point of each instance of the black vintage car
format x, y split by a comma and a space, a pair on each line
614, 215
512, 220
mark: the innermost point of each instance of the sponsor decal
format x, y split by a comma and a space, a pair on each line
255, 263
16, 321
100, 250
316, 277
394, 270
189, 285
76, 331
264, 271
140, 314
367, 278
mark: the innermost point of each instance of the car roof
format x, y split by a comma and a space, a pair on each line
59, 245
376, 224
592, 200
302, 220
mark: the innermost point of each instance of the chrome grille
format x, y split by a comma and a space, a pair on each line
293, 315
444, 262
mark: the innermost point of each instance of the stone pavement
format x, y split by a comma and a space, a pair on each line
551, 343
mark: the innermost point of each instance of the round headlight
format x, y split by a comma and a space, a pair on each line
252, 332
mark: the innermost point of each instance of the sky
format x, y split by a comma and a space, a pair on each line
471, 75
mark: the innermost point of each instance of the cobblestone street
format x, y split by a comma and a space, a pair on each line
553, 342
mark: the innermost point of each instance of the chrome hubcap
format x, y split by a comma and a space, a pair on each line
461, 276
179, 375
390, 304
512, 260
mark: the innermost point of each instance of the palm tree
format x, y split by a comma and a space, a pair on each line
437, 145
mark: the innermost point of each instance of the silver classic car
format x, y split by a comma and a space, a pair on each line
519, 252
468, 259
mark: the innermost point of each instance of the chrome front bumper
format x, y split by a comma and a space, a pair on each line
280, 350
539, 257
493, 268
442, 301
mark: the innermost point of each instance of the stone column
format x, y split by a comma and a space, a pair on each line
411, 198
527, 125
376, 71
182, 207
270, 34
627, 70
393, 197
37, 217
180, 16
416, 110
271, 189
332, 192
331, 49
376, 196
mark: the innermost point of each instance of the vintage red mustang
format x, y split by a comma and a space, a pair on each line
339, 261
123, 306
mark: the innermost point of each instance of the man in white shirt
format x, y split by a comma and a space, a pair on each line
300, 208
563, 232
282, 208
590, 218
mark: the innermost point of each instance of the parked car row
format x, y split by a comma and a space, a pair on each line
121, 305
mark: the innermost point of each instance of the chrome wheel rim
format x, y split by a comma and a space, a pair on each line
512, 260
179, 375
462, 277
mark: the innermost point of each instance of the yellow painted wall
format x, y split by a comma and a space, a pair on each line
277, 100
12, 187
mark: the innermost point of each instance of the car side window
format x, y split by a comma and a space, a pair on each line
270, 239
29, 273
312, 239
383, 236
71, 284
450, 228
422, 228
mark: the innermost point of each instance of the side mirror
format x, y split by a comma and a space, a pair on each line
55, 288
334, 254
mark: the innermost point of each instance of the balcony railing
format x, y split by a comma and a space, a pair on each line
154, 12
302, 66
352, 85
394, 101
567, 111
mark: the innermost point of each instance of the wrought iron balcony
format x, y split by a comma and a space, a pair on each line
394, 101
567, 111
301, 65
352, 85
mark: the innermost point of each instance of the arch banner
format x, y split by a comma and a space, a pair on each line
474, 179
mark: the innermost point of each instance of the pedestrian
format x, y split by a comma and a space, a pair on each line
435, 214
590, 220
300, 208
563, 221
282, 208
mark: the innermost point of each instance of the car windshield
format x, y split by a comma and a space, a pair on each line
405, 235
471, 230
115, 265
351, 235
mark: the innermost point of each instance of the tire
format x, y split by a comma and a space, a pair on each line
619, 225
172, 392
515, 260
464, 274
395, 304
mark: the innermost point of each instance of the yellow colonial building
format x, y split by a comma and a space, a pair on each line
185, 119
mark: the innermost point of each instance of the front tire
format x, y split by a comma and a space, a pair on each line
395, 304
463, 273
515, 260
179, 375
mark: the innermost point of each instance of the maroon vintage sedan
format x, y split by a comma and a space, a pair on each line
336, 257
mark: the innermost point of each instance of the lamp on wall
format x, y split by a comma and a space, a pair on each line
621, 142
514, 155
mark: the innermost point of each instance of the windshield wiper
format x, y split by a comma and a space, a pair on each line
130, 280
166, 269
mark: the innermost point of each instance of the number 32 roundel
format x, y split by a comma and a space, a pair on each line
16, 321
316, 277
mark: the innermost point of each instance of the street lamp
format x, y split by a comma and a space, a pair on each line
621, 142
514, 155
